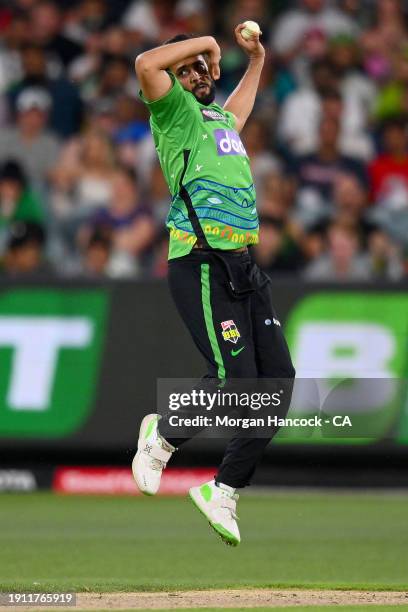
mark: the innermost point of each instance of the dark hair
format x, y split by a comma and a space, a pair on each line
130, 173
32, 46
179, 38
318, 227
109, 60
321, 64
271, 221
332, 94
100, 236
22, 233
12, 171
397, 121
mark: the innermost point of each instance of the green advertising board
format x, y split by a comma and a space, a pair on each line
349, 347
51, 342
353, 344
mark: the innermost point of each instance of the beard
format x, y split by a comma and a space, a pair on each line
208, 96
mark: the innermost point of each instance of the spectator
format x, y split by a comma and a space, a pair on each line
133, 136
350, 208
327, 83
129, 221
45, 31
350, 201
317, 173
66, 108
382, 43
257, 145
89, 17
303, 110
276, 197
385, 257
312, 242
25, 251
392, 99
115, 78
194, 15
13, 40
277, 251
96, 254
358, 93
342, 260
389, 183
152, 20
101, 117
17, 201
354, 9
389, 171
296, 26
82, 177
30, 143
300, 115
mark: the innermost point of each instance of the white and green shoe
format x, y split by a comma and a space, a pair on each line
152, 456
218, 503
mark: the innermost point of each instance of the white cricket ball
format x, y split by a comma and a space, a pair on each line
251, 28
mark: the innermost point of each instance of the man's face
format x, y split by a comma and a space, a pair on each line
329, 132
395, 139
193, 75
33, 120
26, 258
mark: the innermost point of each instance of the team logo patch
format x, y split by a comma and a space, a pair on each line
229, 143
230, 331
212, 115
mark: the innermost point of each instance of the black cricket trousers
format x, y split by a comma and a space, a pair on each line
222, 296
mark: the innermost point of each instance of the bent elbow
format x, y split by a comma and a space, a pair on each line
141, 64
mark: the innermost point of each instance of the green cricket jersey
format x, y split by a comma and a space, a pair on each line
207, 170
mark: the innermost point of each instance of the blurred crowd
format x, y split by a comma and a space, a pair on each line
81, 190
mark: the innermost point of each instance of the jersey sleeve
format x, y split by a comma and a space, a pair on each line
168, 111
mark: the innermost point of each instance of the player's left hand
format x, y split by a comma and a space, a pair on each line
252, 47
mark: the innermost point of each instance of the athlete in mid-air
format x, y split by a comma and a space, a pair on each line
221, 295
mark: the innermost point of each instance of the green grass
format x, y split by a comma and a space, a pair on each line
289, 540
313, 608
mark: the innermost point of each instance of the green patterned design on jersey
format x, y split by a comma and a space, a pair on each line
199, 149
225, 213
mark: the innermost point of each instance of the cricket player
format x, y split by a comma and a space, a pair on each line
222, 297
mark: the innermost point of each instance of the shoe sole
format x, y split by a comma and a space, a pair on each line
143, 427
224, 538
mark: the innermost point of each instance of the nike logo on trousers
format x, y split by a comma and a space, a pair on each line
236, 353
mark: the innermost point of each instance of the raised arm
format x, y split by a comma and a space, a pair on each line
151, 65
241, 101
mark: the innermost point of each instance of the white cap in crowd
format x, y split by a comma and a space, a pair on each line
33, 97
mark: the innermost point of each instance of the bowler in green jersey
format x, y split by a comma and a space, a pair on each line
223, 298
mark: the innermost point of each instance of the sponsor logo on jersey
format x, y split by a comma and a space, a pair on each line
212, 115
230, 331
229, 143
